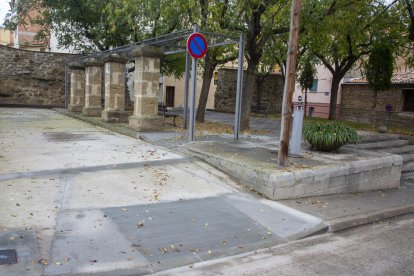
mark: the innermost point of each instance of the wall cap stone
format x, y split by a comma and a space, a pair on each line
93, 62
115, 58
76, 65
147, 51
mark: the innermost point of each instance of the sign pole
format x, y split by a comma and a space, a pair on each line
186, 85
239, 89
193, 92
289, 84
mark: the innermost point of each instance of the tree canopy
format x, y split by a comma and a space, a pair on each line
341, 32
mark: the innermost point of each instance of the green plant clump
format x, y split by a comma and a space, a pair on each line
329, 136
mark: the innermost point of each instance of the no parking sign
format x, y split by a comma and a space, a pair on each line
197, 45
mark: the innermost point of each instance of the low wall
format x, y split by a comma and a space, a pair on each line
357, 99
270, 98
350, 171
32, 78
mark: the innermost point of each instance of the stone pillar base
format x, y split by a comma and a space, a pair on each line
145, 123
114, 116
75, 108
91, 111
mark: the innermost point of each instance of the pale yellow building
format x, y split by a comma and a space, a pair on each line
173, 89
4, 36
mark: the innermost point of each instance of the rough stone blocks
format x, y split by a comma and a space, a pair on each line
146, 106
115, 116
145, 123
75, 108
91, 111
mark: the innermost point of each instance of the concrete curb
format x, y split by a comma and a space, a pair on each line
339, 224
375, 172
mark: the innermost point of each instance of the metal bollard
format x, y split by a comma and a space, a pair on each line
296, 136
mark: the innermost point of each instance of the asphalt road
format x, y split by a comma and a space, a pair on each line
382, 248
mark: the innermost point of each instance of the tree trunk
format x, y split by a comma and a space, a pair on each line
286, 118
336, 80
205, 89
248, 90
259, 85
306, 102
374, 107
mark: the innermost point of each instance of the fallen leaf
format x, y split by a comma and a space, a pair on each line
44, 261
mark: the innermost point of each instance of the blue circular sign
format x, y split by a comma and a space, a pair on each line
197, 45
388, 108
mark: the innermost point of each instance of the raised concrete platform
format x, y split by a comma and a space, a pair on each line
347, 171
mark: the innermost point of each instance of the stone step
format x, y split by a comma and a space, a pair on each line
378, 137
407, 176
383, 144
402, 150
408, 157
409, 167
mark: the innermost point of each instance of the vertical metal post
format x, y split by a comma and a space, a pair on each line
193, 93
239, 94
186, 85
66, 85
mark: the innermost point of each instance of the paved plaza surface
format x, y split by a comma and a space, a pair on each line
79, 199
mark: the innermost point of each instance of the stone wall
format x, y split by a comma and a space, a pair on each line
357, 100
225, 96
32, 78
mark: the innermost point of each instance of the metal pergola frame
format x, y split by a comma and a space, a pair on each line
175, 43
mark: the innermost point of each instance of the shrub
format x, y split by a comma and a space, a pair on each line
329, 136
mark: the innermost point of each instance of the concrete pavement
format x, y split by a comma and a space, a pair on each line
79, 199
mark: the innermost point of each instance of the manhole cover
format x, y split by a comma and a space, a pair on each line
8, 256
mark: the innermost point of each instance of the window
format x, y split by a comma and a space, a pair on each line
408, 100
314, 87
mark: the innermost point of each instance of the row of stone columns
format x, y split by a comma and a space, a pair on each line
86, 87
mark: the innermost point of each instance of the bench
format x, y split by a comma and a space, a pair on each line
259, 108
163, 111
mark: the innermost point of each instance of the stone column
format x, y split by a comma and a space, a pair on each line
146, 86
115, 90
77, 86
93, 88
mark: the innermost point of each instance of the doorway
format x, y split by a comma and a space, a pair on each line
169, 96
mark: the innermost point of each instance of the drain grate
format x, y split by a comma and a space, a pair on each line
8, 256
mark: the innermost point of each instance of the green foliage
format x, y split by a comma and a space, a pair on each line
91, 25
307, 73
329, 136
173, 65
380, 67
341, 32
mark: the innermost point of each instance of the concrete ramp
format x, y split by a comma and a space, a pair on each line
155, 237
